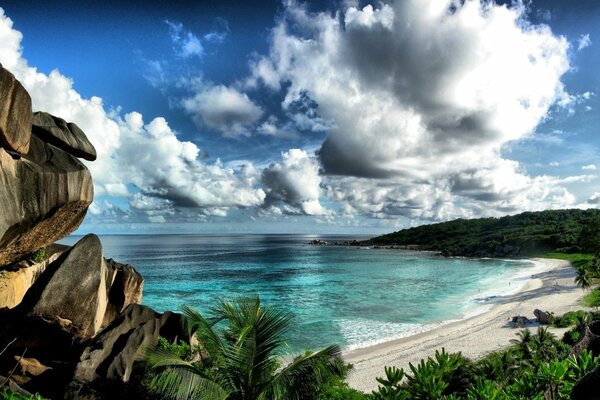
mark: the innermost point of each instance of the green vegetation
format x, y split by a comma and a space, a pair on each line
239, 359
529, 233
39, 255
242, 343
533, 365
7, 394
592, 299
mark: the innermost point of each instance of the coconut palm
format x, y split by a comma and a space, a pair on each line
583, 280
243, 340
524, 344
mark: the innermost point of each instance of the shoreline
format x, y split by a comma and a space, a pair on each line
551, 289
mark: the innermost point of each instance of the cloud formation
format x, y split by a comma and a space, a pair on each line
419, 100
423, 96
583, 42
295, 181
224, 109
144, 162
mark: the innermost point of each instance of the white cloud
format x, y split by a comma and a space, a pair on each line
165, 171
270, 128
224, 109
185, 43
589, 167
554, 164
417, 102
594, 199
295, 182
422, 99
583, 42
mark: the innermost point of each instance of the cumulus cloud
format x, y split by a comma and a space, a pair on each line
163, 172
295, 181
589, 167
583, 42
418, 99
224, 109
423, 96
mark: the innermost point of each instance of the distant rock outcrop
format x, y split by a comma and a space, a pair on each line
65, 135
15, 114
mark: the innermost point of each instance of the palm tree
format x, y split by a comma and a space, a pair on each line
243, 340
523, 343
583, 280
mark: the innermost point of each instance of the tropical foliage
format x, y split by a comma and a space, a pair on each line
534, 366
240, 359
532, 233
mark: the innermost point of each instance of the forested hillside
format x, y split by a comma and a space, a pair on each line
524, 234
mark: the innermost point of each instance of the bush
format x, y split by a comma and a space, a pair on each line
592, 299
182, 350
569, 319
39, 255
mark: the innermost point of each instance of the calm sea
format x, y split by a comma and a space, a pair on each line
346, 295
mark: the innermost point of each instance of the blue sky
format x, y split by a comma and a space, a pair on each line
335, 116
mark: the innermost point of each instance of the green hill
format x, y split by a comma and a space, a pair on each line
525, 234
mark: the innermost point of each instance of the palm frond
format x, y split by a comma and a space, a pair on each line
185, 384
204, 330
304, 370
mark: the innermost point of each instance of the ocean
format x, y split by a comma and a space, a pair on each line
346, 295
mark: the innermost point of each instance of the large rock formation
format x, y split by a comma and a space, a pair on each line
43, 197
15, 114
125, 287
587, 388
73, 288
112, 354
543, 317
83, 290
53, 308
14, 283
65, 135
590, 339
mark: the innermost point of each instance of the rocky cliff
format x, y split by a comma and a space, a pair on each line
70, 319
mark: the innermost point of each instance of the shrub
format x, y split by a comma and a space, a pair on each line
39, 255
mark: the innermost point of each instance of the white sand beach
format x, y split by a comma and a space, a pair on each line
552, 289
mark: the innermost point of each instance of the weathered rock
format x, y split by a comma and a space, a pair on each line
15, 114
587, 387
520, 321
125, 288
27, 369
43, 197
543, 317
15, 282
65, 135
590, 340
73, 288
114, 351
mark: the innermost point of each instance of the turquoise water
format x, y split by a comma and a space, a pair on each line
350, 296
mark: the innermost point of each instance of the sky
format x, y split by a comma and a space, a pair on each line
318, 117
